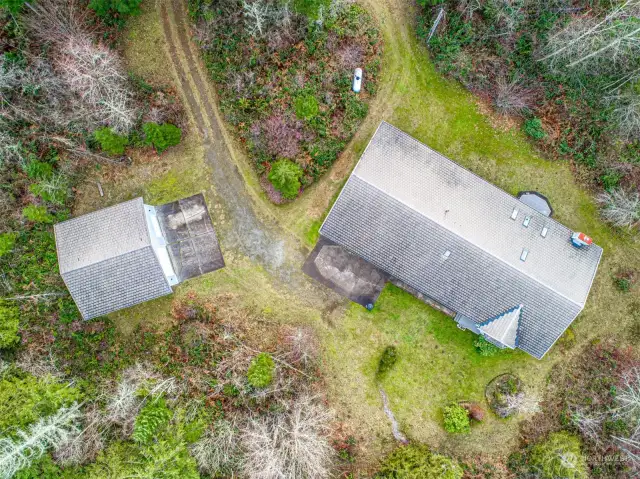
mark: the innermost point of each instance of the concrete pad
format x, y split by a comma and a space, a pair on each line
345, 273
191, 239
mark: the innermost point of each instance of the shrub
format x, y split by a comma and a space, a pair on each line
282, 137
485, 348
533, 128
162, 136
53, 189
623, 284
456, 419
285, 177
568, 339
153, 417
387, 360
475, 411
9, 321
260, 373
24, 399
37, 214
306, 107
310, 8
611, 179
115, 12
416, 461
558, 456
14, 6
110, 141
7, 241
165, 458
38, 170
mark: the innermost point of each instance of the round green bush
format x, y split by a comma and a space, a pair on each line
456, 419
285, 177
161, 136
306, 107
416, 461
111, 142
558, 456
37, 214
151, 419
261, 369
533, 128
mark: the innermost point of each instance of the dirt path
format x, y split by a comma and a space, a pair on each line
248, 233
250, 230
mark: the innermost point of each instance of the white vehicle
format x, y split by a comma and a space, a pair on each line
357, 80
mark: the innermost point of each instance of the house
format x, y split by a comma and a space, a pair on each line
132, 252
502, 268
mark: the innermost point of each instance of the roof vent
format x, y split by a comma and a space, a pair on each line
526, 221
446, 255
544, 232
525, 253
514, 214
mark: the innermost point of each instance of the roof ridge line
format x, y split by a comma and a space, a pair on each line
112, 257
494, 186
464, 239
146, 228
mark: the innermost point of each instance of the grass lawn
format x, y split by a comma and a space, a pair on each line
437, 362
437, 365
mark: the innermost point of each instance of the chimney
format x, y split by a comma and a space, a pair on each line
580, 240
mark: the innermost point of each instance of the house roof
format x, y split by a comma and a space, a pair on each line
107, 261
405, 205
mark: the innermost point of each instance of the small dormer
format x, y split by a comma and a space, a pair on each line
502, 330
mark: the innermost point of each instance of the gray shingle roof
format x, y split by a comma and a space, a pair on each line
405, 205
107, 261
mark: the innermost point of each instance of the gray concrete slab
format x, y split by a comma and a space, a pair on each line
345, 273
191, 239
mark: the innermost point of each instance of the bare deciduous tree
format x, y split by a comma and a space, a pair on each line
511, 97
218, 451
589, 424
38, 365
289, 445
518, 403
597, 45
257, 14
123, 400
85, 446
626, 113
91, 71
620, 208
302, 345
628, 398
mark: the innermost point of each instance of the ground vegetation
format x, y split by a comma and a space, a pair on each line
568, 70
283, 72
